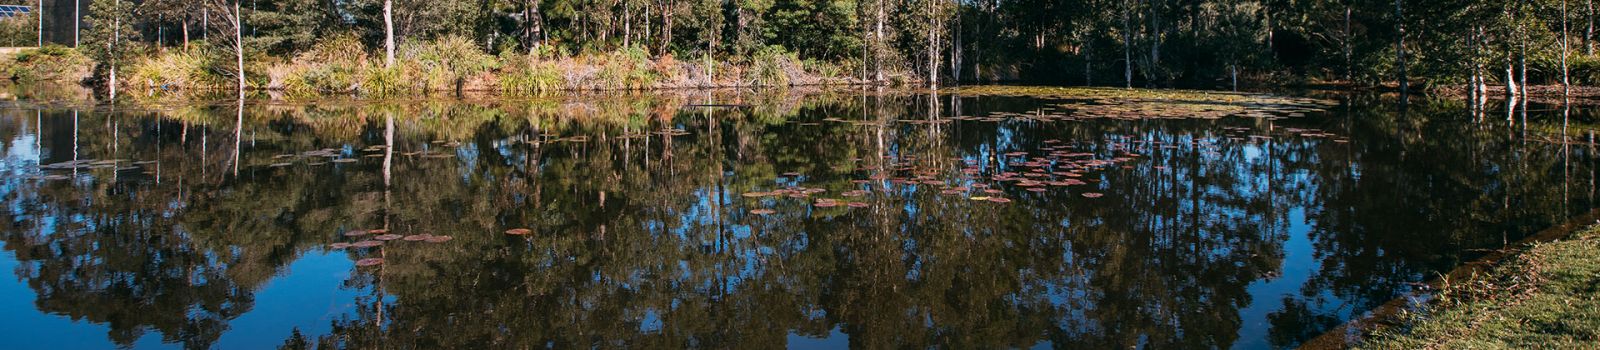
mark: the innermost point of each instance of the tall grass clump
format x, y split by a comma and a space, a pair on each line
335, 65
48, 63
627, 68
526, 75
774, 66
447, 62
176, 70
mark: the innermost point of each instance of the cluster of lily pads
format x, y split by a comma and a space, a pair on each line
335, 155
1133, 104
379, 237
89, 164
1056, 165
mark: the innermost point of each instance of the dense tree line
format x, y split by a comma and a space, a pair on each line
1205, 43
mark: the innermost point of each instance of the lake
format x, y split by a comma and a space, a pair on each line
981, 217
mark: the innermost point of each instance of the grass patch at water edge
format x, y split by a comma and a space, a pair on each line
1546, 297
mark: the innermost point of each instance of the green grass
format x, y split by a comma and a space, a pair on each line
1545, 298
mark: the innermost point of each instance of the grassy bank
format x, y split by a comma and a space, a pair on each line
1545, 297
343, 65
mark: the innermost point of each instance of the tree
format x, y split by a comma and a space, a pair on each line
110, 37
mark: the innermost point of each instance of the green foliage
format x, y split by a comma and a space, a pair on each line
109, 37
20, 31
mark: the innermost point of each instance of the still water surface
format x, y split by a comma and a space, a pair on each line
754, 220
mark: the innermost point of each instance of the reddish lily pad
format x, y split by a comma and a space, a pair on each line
519, 232
369, 262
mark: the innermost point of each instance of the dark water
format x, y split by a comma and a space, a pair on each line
194, 225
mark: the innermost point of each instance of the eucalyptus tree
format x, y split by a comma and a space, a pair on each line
111, 37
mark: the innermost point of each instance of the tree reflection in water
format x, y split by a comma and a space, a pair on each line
1208, 238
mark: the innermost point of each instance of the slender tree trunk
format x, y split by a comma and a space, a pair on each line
877, 47
666, 28
1511, 78
41, 23
1127, 43
1155, 44
1233, 70
1349, 52
186, 34
388, 33
1088, 65
1400, 46
112, 46
1566, 50
627, 25
238, 44
1588, 31
77, 22
933, 45
535, 25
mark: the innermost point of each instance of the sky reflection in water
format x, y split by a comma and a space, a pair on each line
650, 222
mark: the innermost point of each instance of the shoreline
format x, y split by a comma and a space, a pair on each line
1392, 319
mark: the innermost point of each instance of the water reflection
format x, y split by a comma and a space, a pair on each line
1234, 232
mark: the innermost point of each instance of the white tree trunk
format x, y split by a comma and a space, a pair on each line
877, 47
238, 44
388, 33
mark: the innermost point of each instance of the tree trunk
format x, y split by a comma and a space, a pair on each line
186, 34
1127, 43
77, 22
388, 33
1400, 46
1233, 70
238, 44
666, 28
627, 25
877, 47
1566, 50
933, 45
111, 48
1588, 31
1511, 81
535, 25
1088, 65
1155, 45
1349, 64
